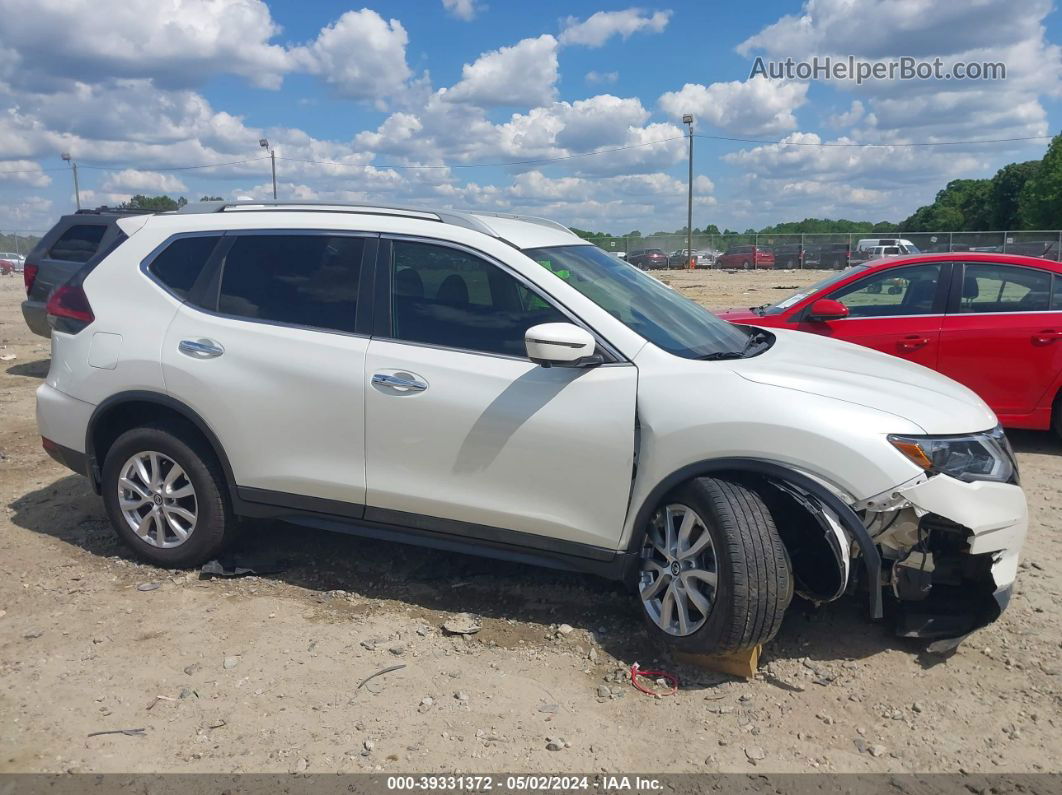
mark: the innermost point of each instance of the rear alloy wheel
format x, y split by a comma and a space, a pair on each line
745, 265
166, 495
714, 575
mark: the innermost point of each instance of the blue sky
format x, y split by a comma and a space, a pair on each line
138, 89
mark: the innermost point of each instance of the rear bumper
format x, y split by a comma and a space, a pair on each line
71, 459
36, 318
63, 420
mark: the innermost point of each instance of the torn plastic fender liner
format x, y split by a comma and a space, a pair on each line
820, 534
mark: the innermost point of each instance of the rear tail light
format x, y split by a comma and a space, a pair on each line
69, 310
29, 276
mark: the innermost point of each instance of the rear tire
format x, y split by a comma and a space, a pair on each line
743, 554
202, 513
745, 265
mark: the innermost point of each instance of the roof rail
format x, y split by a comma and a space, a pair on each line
465, 220
469, 219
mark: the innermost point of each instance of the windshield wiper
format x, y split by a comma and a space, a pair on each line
757, 337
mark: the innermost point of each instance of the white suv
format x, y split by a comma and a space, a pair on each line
495, 384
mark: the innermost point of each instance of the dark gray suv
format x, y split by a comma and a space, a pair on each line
76, 241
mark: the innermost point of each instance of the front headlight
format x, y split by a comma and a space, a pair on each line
975, 456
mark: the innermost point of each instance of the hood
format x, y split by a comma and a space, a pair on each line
854, 374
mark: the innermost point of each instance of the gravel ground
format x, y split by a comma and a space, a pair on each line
261, 673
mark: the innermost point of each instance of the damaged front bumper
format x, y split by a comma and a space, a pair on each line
949, 553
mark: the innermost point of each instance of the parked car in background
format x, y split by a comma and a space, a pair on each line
488, 383
905, 246
76, 240
7, 267
990, 321
833, 255
14, 258
746, 257
789, 255
648, 259
681, 259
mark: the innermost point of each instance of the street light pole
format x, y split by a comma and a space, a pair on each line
264, 143
73, 164
687, 119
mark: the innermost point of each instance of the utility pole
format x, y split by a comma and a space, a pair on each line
264, 143
687, 119
73, 164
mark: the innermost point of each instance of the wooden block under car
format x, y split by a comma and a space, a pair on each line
743, 663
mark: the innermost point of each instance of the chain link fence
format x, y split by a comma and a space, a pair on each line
830, 250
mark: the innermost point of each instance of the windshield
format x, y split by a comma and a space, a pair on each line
796, 298
643, 304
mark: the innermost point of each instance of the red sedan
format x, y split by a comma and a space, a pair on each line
990, 321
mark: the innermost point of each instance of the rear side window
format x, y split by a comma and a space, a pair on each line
180, 263
305, 280
1004, 288
79, 243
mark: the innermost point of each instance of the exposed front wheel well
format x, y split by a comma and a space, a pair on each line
811, 519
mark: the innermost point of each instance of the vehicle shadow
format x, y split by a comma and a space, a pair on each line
37, 369
321, 562
1044, 442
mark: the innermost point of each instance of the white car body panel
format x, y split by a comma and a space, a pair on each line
286, 403
492, 436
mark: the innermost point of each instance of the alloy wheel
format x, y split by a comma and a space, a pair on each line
679, 572
157, 499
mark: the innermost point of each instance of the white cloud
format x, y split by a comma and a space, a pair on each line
362, 55
753, 107
462, 9
176, 42
602, 26
23, 172
131, 180
595, 78
523, 74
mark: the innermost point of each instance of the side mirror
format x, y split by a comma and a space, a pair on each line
827, 309
559, 344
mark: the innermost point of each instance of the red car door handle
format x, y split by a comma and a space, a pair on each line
1046, 337
912, 343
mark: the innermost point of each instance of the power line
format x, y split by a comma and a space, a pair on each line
544, 160
883, 146
488, 165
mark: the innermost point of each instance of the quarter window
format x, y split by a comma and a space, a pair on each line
180, 263
896, 291
305, 280
78, 243
444, 296
990, 288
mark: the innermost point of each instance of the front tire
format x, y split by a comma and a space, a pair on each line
714, 575
165, 495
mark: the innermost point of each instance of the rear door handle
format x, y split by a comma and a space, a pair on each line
200, 349
404, 382
1046, 337
912, 343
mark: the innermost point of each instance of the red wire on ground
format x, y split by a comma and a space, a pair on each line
671, 679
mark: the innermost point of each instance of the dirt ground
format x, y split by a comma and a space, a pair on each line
261, 673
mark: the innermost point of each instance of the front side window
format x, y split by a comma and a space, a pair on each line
987, 287
179, 264
305, 280
448, 297
643, 304
79, 243
892, 292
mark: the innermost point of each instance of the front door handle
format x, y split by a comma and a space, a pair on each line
1046, 337
912, 343
200, 349
403, 382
